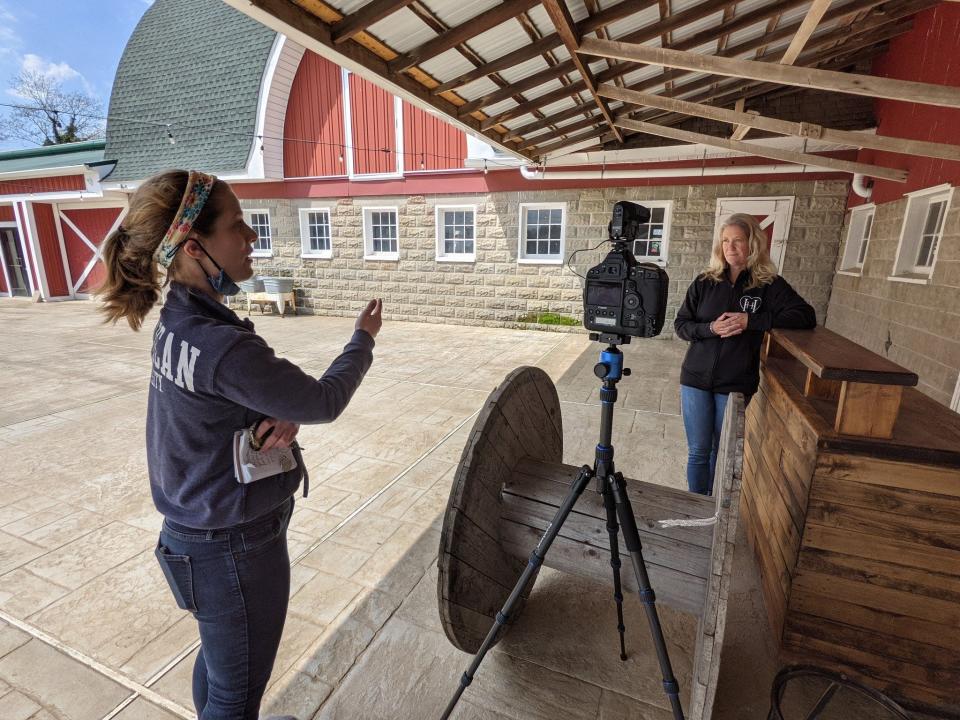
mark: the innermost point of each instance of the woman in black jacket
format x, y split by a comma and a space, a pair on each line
724, 315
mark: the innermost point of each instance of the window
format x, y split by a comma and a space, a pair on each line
930, 237
456, 231
858, 237
542, 233
380, 233
315, 233
921, 233
653, 237
259, 220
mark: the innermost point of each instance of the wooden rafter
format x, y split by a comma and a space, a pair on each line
461, 33
609, 74
834, 58
692, 42
829, 59
593, 7
548, 42
746, 20
675, 74
763, 151
813, 17
366, 16
566, 29
870, 86
784, 127
816, 12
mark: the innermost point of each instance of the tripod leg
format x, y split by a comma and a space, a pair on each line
615, 563
533, 564
631, 538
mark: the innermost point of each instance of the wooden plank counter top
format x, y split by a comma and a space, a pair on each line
851, 503
867, 388
832, 357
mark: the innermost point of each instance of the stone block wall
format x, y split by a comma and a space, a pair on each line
496, 290
915, 325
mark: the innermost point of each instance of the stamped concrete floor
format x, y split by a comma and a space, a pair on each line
88, 630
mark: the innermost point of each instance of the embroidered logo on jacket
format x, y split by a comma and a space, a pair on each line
750, 304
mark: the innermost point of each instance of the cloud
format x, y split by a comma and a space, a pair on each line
9, 39
61, 72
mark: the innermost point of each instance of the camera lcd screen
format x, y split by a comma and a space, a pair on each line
603, 294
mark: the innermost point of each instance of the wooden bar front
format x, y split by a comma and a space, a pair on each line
851, 503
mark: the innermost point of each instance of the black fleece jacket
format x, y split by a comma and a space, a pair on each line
733, 364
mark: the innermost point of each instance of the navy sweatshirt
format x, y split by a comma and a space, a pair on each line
213, 375
732, 364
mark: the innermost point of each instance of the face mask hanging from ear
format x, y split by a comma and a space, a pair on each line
222, 284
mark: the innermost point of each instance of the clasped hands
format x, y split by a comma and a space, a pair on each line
729, 324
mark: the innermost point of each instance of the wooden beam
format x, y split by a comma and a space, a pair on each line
816, 12
363, 18
763, 151
473, 27
675, 22
689, 43
813, 17
783, 127
544, 44
523, 131
548, 42
740, 131
527, 83
904, 90
564, 131
566, 29
566, 142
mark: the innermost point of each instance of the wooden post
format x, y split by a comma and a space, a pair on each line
868, 409
823, 389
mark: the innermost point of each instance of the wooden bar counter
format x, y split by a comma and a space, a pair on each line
851, 503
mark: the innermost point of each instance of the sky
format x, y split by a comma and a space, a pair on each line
77, 41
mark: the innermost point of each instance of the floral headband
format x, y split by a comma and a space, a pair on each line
199, 186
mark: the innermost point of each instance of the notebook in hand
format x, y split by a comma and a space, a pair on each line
251, 465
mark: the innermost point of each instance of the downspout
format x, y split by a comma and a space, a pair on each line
535, 173
860, 186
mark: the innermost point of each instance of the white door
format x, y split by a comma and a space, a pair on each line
773, 214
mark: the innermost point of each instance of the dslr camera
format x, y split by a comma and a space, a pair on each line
622, 297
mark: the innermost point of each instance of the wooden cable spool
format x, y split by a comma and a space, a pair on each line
508, 487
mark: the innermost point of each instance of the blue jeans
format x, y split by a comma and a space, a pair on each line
236, 582
702, 419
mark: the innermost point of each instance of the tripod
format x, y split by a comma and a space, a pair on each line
612, 487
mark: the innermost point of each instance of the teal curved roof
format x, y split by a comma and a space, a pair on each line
196, 64
89, 152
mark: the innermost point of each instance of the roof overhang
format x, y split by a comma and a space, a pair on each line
541, 80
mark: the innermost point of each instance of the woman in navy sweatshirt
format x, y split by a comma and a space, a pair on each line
724, 315
223, 545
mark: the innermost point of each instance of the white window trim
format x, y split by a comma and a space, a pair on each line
667, 205
904, 270
248, 218
368, 253
438, 225
955, 402
849, 263
348, 135
305, 251
521, 235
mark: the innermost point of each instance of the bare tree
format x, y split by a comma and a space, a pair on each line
49, 115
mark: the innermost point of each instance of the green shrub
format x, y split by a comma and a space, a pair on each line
548, 318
